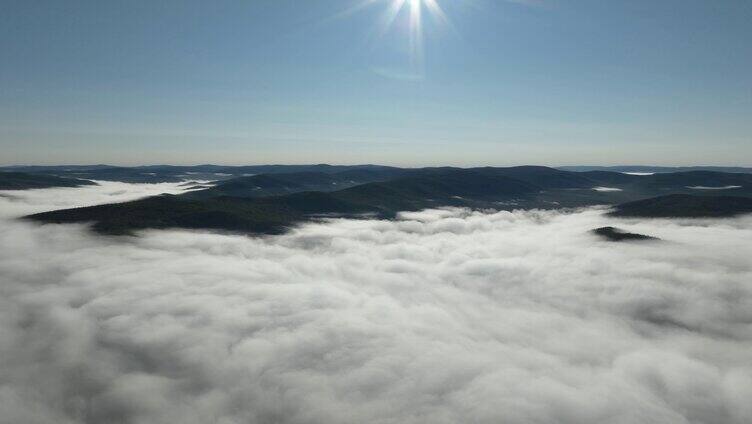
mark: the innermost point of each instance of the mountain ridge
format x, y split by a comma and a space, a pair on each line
290, 198
25, 181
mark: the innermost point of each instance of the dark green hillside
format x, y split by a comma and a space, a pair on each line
685, 206
608, 178
272, 214
541, 176
696, 178
254, 186
251, 204
23, 181
421, 188
617, 234
170, 173
634, 187
436, 188
281, 184
657, 169
123, 174
344, 176
368, 175
173, 212
313, 203
267, 215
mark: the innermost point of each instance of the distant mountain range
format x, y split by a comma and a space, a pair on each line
171, 173
272, 202
23, 181
685, 206
657, 169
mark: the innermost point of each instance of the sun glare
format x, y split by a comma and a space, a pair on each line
412, 11
415, 10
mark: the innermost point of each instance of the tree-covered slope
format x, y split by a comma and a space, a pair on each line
617, 234
167, 211
270, 203
272, 214
685, 205
23, 181
264, 185
172, 173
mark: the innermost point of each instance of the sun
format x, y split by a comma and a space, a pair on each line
413, 11
416, 9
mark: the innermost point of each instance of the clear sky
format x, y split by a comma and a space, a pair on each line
553, 82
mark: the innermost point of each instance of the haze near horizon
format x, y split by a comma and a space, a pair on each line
416, 83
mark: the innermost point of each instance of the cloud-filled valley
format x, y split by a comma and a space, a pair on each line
439, 316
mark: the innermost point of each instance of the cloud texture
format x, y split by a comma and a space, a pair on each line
15, 203
443, 316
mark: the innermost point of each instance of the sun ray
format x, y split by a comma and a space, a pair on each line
436, 11
416, 34
391, 15
354, 9
414, 12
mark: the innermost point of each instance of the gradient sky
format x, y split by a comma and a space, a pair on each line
550, 82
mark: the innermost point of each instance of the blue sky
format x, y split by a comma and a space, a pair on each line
550, 82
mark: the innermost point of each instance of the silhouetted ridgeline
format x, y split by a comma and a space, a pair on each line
617, 234
643, 168
23, 181
170, 173
269, 203
685, 206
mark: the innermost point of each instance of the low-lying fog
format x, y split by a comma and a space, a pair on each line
444, 316
14, 203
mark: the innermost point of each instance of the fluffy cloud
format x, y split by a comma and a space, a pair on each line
441, 316
16, 203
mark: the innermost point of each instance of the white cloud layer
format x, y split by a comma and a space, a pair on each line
443, 316
15, 203
728, 187
606, 189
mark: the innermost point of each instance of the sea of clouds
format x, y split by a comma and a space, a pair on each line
441, 316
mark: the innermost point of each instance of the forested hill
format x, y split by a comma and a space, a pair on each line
270, 203
24, 181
